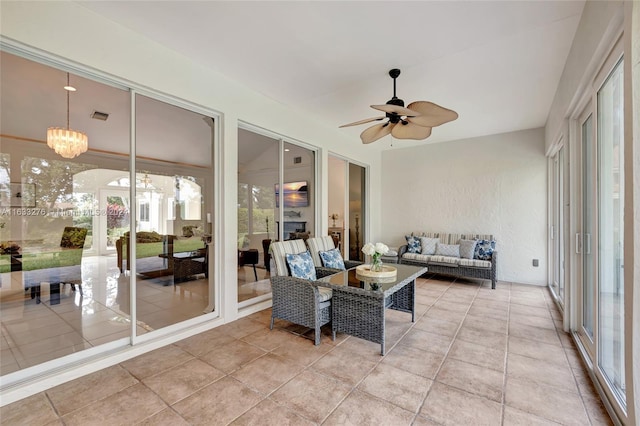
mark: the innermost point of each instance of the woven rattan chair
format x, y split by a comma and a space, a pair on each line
318, 244
297, 300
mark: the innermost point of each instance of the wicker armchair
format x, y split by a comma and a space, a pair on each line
297, 300
318, 244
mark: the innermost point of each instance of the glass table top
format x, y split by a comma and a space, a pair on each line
350, 278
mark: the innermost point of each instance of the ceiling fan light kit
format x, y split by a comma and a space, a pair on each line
411, 122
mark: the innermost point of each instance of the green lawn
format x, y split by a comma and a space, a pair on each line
54, 259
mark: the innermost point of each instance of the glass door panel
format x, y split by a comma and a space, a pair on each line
51, 215
299, 191
357, 217
588, 209
258, 175
611, 231
173, 204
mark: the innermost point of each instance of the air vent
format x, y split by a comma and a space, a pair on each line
100, 115
297, 160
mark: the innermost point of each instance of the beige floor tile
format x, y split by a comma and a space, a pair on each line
533, 321
312, 395
302, 351
232, 355
415, 361
421, 421
547, 402
477, 310
541, 372
484, 356
224, 401
156, 361
267, 373
268, 413
486, 323
538, 350
515, 417
205, 342
396, 386
449, 406
452, 306
129, 406
445, 314
85, 390
493, 304
242, 327
182, 380
166, 417
267, 339
438, 326
530, 311
472, 378
538, 302
33, 410
343, 365
361, 409
596, 411
534, 333
426, 341
492, 339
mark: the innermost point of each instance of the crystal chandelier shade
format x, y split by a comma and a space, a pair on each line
67, 143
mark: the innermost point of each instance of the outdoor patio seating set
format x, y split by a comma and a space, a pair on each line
312, 286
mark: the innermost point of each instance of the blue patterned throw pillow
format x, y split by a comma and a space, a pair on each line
301, 266
484, 249
332, 259
413, 244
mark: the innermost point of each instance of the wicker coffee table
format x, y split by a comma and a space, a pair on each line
358, 306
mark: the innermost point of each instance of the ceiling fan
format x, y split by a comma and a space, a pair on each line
411, 122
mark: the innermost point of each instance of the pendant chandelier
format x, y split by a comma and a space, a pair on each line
67, 142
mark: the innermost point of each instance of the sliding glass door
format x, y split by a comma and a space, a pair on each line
600, 241
610, 231
276, 201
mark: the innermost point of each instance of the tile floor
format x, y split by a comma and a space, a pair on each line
32, 333
474, 356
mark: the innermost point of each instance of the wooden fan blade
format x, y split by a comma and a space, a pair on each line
376, 132
366, 120
430, 114
395, 108
410, 131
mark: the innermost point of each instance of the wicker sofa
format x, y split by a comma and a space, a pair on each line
437, 250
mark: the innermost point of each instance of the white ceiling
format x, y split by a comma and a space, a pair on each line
496, 63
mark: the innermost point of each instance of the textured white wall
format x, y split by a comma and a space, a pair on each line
490, 185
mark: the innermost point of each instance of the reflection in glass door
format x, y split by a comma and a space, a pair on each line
357, 217
588, 231
611, 231
557, 227
258, 171
172, 211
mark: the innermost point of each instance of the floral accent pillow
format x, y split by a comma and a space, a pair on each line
467, 248
332, 259
484, 249
429, 245
301, 266
451, 250
413, 244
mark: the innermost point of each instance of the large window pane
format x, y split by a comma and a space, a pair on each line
59, 293
611, 244
588, 260
173, 199
258, 172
